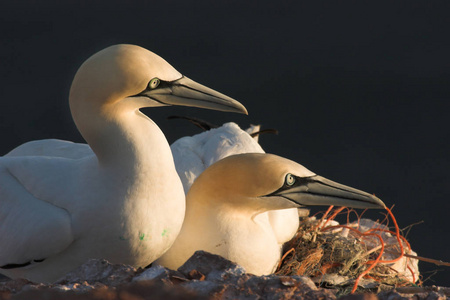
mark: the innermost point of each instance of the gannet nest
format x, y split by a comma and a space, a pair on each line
349, 257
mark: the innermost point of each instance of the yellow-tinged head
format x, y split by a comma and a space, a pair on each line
262, 182
134, 77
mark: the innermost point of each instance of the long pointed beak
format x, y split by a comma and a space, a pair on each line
316, 190
187, 92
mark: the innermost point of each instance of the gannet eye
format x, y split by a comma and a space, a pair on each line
290, 179
153, 84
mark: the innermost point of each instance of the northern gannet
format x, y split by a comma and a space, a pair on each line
125, 203
192, 155
224, 202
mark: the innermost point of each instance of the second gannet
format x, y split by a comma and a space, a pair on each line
194, 154
224, 202
125, 202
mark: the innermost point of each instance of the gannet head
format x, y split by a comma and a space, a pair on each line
262, 182
134, 77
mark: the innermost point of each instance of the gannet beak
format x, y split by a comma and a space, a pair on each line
187, 92
316, 190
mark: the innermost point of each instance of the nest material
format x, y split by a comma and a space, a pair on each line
343, 256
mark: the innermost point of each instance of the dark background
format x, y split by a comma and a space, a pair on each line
358, 90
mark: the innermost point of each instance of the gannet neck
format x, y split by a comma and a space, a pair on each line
99, 94
129, 139
123, 136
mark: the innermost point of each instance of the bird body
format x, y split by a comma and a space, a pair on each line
227, 205
192, 155
231, 232
125, 203
70, 226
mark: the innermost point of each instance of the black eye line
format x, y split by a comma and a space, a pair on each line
162, 84
299, 181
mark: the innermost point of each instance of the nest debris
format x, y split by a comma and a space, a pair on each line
350, 256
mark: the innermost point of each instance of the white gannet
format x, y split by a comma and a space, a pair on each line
125, 203
192, 155
225, 200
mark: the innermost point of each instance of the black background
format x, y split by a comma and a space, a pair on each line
358, 90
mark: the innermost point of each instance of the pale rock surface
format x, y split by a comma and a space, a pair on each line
203, 276
214, 267
99, 270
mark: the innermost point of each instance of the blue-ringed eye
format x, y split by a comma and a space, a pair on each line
290, 179
153, 84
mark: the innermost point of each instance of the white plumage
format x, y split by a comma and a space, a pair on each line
125, 203
227, 207
194, 154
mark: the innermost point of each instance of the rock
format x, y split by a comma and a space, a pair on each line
273, 287
214, 267
153, 272
248, 286
435, 296
3, 278
80, 288
208, 289
130, 291
99, 270
392, 295
13, 286
305, 280
365, 296
158, 273
203, 276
